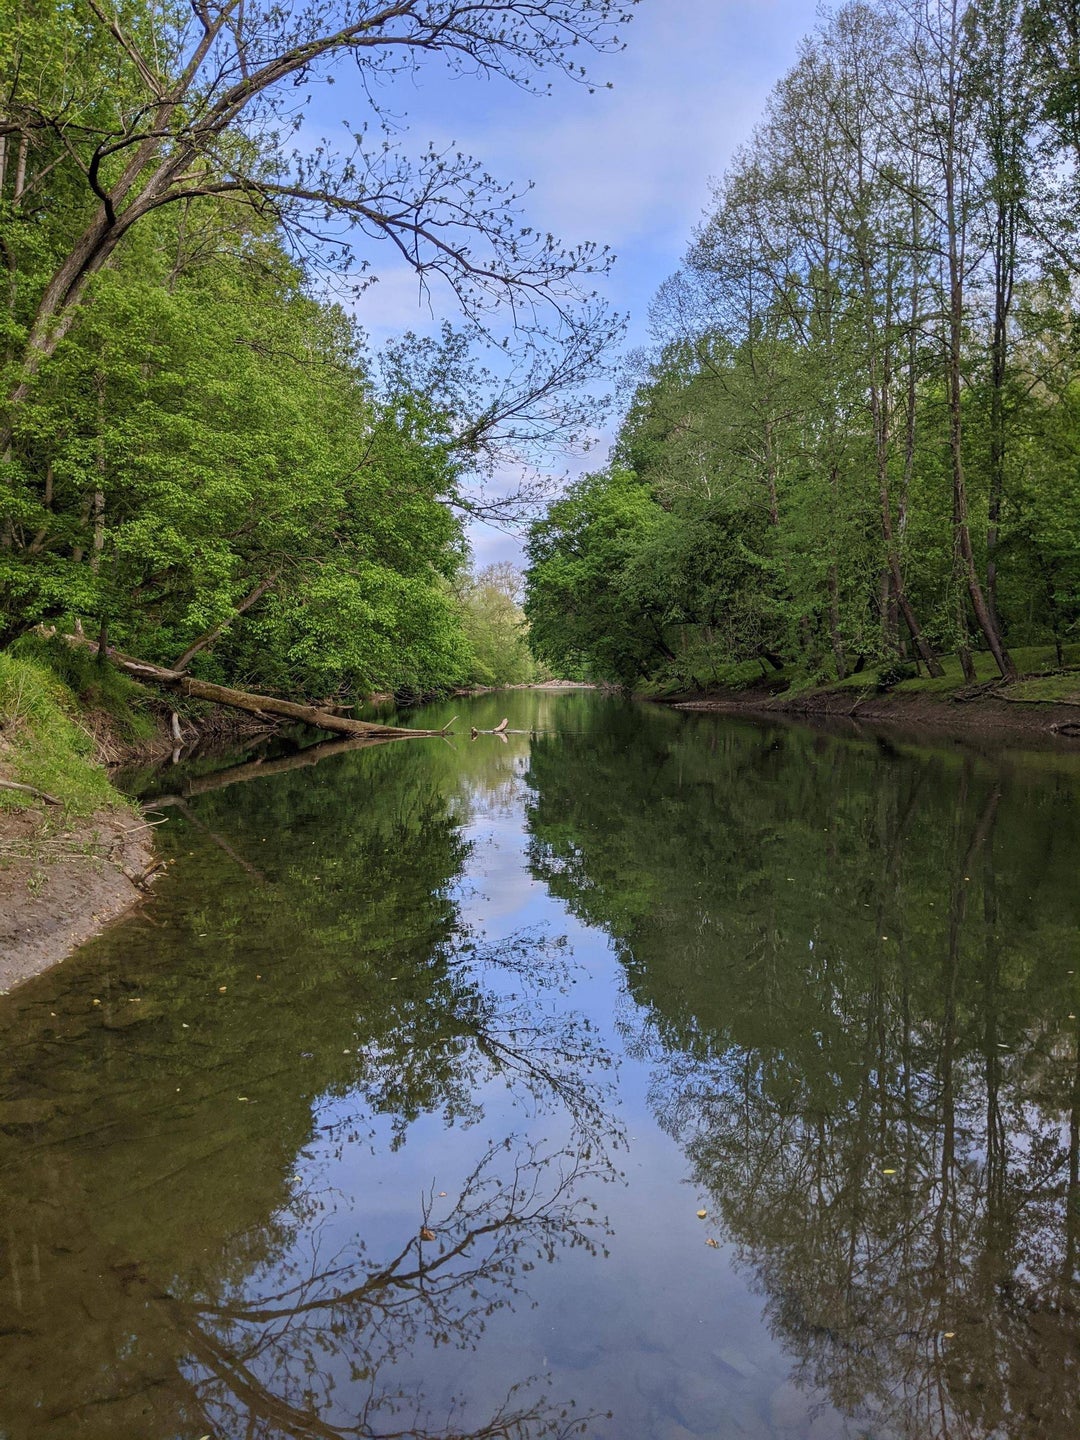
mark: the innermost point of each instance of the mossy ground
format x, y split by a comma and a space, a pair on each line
1044, 680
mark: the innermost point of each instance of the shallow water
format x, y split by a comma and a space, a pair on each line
392, 1111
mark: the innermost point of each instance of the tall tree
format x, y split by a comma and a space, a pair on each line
942, 72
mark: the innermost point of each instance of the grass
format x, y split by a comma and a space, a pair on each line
1031, 660
98, 688
43, 743
1064, 688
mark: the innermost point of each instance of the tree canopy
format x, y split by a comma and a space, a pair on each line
198, 456
852, 442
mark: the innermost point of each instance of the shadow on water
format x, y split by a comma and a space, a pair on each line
319, 1143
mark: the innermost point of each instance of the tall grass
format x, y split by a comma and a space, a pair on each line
43, 743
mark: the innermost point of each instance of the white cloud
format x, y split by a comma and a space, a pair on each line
629, 167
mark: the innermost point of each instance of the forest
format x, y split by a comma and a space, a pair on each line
854, 443
204, 462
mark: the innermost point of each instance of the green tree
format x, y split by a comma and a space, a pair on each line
495, 626
582, 617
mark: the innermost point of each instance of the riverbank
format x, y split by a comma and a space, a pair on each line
73, 853
62, 881
1043, 705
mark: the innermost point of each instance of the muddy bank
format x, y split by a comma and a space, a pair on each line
980, 716
62, 881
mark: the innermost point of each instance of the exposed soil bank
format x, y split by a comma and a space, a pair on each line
983, 715
62, 881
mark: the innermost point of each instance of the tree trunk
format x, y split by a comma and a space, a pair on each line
1004, 264
834, 624
879, 384
955, 240
963, 649
253, 704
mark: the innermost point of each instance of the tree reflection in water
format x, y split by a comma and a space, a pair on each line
267, 1363
852, 991
178, 1105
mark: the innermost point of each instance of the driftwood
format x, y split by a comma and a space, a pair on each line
500, 728
253, 704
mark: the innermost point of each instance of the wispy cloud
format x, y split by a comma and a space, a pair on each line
629, 167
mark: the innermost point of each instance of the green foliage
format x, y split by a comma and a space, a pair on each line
841, 461
195, 458
893, 673
496, 629
582, 614
209, 432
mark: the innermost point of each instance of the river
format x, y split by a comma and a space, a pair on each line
660, 1074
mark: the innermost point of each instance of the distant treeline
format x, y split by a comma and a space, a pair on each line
857, 438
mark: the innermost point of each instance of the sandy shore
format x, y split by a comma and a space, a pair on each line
62, 881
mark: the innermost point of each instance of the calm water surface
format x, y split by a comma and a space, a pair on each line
392, 1112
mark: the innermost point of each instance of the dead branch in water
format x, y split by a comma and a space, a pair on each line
499, 729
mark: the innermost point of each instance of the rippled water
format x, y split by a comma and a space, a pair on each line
392, 1112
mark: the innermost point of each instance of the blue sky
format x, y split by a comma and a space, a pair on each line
628, 167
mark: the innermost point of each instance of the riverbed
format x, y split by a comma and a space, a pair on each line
662, 1074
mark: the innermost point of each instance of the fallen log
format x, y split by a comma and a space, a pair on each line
253, 704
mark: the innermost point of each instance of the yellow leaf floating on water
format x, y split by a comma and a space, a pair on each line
950, 1334
426, 1234
701, 1214
713, 1244
888, 1172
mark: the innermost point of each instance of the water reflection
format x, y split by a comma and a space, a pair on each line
218, 1139
319, 1144
853, 976
270, 1357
